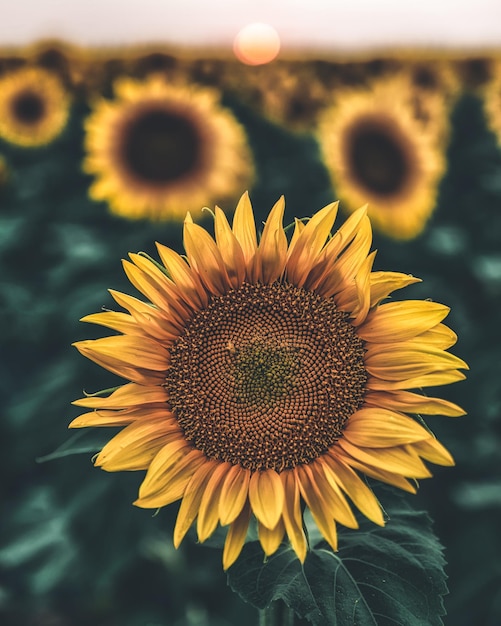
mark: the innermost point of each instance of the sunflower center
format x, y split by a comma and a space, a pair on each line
378, 158
266, 376
161, 146
28, 107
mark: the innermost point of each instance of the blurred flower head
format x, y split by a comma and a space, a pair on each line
34, 106
158, 147
379, 150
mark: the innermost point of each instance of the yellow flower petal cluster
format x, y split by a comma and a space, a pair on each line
263, 376
34, 106
157, 147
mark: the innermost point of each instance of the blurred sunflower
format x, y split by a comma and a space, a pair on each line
287, 93
492, 102
158, 147
378, 152
433, 88
34, 106
264, 376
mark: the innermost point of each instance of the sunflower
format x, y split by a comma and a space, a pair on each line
378, 151
433, 88
158, 147
492, 103
287, 93
265, 377
34, 106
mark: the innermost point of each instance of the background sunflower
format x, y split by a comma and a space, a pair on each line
160, 149
384, 146
73, 549
34, 106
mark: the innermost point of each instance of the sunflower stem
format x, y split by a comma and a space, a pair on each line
277, 614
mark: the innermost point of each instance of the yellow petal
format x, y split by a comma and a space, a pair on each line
433, 379
124, 397
298, 229
433, 451
163, 285
334, 499
138, 373
347, 266
345, 234
230, 249
292, 515
168, 476
401, 362
244, 228
233, 494
440, 336
270, 539
190, 503
384, 283
235, 538
397, 321
317, 505
183, 276
382, 428
122, 322
408, 402
384, 476
355, 488
309, 244
120, 417
208, 513
205, 258
171, 453
132, 351
360, 309
269, 260
158, 296
136, 445
151, 319
396, 459
266, 496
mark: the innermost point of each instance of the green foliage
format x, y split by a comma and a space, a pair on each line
379, 576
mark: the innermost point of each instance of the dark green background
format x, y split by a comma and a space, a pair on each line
73, 551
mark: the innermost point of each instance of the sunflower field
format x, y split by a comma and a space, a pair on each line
271, 372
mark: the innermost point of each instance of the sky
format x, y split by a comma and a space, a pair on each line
301, 24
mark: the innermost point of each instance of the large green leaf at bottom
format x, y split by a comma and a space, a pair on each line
379, 577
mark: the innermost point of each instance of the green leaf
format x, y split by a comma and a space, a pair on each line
379, 577
81, 442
